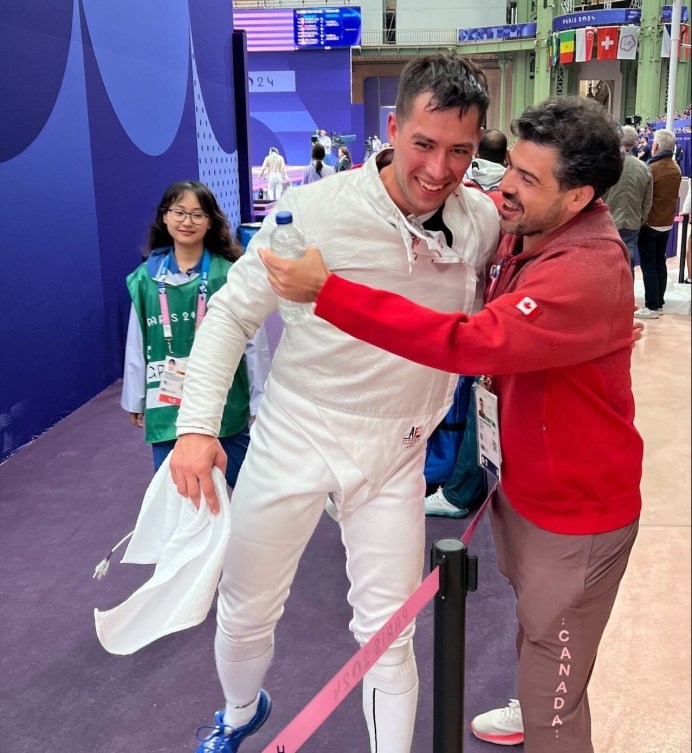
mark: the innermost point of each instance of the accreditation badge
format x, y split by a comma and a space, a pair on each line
172, 379
487, 430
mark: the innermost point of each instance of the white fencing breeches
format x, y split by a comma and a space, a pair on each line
293, 463
275, 186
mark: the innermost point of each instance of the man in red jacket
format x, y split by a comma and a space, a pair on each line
555, 338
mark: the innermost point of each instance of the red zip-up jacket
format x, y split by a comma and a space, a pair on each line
556, 336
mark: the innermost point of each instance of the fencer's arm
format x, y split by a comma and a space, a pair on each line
235, 313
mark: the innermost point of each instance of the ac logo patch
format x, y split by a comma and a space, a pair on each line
412, 437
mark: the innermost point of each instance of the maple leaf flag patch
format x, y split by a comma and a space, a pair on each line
528, 307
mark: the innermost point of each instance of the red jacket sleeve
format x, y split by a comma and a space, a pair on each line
552, 319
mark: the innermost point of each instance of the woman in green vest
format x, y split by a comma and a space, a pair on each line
188, 256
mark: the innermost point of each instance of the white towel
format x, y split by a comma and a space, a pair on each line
188, 547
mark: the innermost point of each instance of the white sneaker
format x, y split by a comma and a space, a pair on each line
645, 313
436, 505
500, 726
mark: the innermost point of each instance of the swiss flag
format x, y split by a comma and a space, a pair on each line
608, 38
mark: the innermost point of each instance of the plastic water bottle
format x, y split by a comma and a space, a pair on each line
288, 242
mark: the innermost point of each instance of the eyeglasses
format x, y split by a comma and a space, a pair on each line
197, 218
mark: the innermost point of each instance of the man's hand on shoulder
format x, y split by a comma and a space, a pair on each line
637, 331
192, 460
297, 280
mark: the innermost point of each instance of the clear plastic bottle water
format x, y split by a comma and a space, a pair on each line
288, 242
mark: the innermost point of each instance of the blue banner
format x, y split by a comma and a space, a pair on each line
507, 31
678, 125
619, 17
667, 14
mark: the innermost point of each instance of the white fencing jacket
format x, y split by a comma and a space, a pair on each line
364, 237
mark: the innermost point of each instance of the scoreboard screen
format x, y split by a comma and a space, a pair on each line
304, 29
327, 27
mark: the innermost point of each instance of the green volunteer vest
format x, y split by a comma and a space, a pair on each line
182, 304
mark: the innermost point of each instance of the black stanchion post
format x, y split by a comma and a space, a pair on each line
683, 245
458, 575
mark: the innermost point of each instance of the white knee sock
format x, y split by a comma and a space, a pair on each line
241, 668
390, 698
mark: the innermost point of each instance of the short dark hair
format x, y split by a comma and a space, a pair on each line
453, 82
584, 135
493, 146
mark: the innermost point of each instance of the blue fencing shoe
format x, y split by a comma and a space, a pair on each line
223, 739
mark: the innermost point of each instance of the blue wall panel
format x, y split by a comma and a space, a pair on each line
127, 98
51, 282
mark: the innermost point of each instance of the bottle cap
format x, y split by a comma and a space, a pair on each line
283, 218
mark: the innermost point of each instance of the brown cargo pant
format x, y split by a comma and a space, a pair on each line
565, 587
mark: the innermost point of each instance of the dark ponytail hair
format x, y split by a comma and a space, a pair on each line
318, 155
217, 239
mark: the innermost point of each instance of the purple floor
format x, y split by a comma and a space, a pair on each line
75, 491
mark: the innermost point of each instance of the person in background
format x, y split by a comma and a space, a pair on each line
376, 144
555, 343
466, 488
630, 199
678, 154
641, 149
189, 254
653, 236
488, 166
345, 162
326, 142
317, 169
274, 168
340, 419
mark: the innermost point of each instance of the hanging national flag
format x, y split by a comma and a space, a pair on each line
584, 48
607, 43
684, 42
554, 49
665, 41
566, 47
627, 46
683, 45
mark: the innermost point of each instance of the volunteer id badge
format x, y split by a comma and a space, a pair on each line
487, 431
172, 378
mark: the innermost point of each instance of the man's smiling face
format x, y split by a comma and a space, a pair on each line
534, 204
432, 151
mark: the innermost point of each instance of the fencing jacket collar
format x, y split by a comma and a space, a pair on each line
467, 243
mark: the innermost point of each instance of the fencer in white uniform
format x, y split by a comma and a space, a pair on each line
341, 418
275, 169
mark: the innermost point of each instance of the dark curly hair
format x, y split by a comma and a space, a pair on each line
585, 137
453, 82
217, 239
